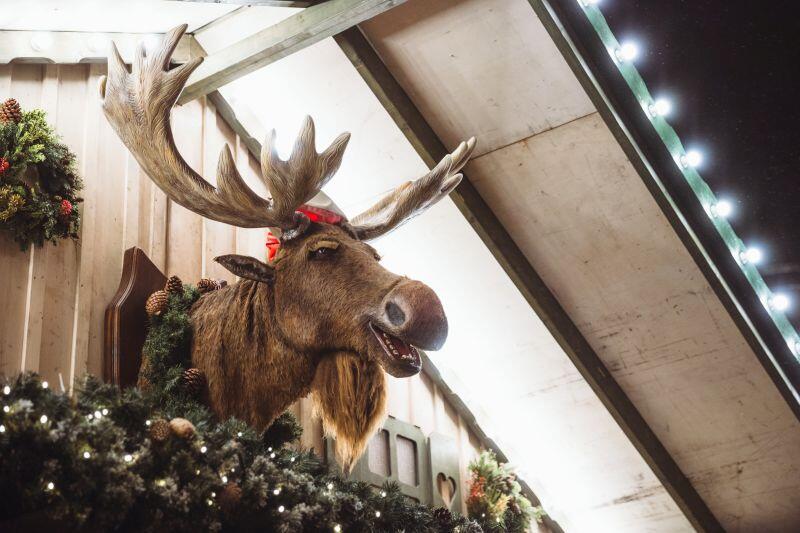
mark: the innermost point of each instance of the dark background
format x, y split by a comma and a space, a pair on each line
731, 70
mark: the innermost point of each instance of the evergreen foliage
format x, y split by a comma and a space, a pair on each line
90, 462
39, 184
495, 497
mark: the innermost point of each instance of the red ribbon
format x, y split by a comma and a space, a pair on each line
314, 214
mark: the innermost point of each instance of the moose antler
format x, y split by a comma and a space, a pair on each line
138, 106
413, 197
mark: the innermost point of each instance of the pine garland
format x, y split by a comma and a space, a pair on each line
90, 463
39, 184
495, 497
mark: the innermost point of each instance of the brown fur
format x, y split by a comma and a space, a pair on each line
349, 394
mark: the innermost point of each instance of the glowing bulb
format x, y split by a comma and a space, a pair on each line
6, 409
161, 482
722, 209
272, 455
337, 528
43, 419
751, 255
128, 458
6, 390
627, 51
87, 455
105, 412
203, 449
239, 434
330, 486
224, 479
45, 384
693, 159
50, 485
281, 508
780, 302
377, 514
2, 428
98, 414
291, 460
383, 494
276, 492
210, 503
41, 41
147, 423
660, 108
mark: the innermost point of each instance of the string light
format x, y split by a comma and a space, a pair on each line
87, 455
147, 423
224, 479
780, 302
721, 209
660, 108
50, 485
105, 412
291, 460
45, 384
6, 390
751, 255
6, 409
239, 434
128, 458
627, 51
337, 528
330, 486
98, 414
281, 508
272, 455
2, 428
161, 482
377, 514
383, 494
43, 419
209, 502
276, 491
90, 416
203, 449
692, 158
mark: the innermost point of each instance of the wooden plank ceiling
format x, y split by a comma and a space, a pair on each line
552, 172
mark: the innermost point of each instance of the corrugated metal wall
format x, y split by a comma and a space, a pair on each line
54, 297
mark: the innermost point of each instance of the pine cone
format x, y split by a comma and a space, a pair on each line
229, 498
182, 428
10, 111
207, 285
194, 382
159, 430
156, 303
174, 285
443, 517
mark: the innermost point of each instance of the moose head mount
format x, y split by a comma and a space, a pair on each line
324, 317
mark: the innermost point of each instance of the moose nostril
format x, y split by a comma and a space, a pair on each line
396, 315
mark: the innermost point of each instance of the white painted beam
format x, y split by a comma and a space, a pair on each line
288, 36
66, 47
261, 3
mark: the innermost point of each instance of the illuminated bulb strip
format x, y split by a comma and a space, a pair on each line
686, 161
660, 108
721, 209
751, 255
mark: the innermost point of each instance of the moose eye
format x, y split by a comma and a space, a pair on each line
323, 249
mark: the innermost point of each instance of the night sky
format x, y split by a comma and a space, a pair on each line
732, 71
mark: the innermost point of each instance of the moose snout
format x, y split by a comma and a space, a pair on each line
414, 313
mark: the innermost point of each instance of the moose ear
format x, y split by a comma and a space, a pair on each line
247, 267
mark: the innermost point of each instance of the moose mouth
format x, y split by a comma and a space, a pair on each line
400, 358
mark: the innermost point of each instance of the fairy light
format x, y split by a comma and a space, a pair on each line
337, 528
89, 416
272, 455
276, 491
98, 415
691, 159
161, 482
281, 508
627, 51
779, 302
128, 458
209, 502
239, 434
87, 455
752, 255
661, 107
330, 486
104, 411
45, 384
383, 494
6, 390
147, 423
291, 460
2, 428
6, 409
43, 419
721, 209
377, 514
203, 449
50, 485
224, 479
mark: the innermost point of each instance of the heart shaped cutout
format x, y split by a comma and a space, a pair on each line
447, 489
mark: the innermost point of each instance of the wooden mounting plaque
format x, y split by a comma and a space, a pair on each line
125, 326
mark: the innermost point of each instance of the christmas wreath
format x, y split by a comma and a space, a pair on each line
495, 497
155, 459
38, 180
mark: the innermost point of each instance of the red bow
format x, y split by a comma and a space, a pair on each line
314, 214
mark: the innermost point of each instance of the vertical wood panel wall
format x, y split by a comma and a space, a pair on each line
54, 297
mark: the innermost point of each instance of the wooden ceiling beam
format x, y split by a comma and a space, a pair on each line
532, 287
282, 39
261, 3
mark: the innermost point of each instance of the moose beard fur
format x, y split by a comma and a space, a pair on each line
349, 394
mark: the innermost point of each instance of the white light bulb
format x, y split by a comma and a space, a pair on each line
45, 384
210, 503
330, 486
291, 460
722, 209
98, 414
147, 423
6, 409
751, 255
203, 449
660, 108
50, 485
281, 508
43, 419
6, 390
239, 434
272, 455
128, 458
780, 302
276, 492
377, 514
224, 479
628, 51
337, 528
2, 428
105, 411
383, 494
87, 455
693, 159
41, 42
